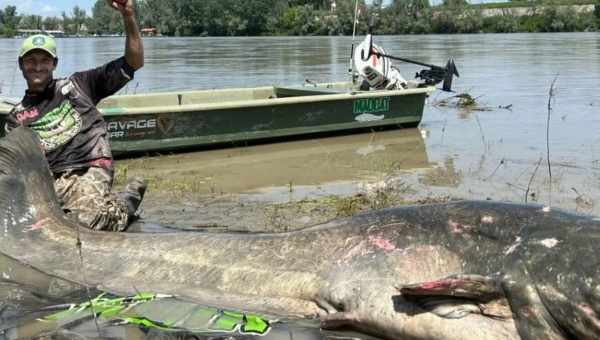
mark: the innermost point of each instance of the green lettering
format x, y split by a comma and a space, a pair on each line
371, 105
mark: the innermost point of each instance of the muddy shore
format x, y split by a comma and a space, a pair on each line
287, 186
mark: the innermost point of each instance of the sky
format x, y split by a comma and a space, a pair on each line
48, 8
56, 7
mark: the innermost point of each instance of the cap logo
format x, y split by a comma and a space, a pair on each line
39, 41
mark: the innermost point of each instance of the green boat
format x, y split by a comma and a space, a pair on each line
171, 121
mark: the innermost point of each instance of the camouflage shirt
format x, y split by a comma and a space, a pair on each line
70, 127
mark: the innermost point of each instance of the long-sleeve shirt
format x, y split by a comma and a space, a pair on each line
70, 127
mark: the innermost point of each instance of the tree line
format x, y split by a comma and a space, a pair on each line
309, 17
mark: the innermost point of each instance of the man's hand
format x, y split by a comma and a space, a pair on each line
123, 6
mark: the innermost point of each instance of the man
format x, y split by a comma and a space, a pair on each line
72, 131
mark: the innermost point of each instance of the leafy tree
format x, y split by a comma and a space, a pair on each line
67, 23
471, 21
298, 20
455, 3
78, 19
10, 19
309, 17
105, 20
501, 24
51, 23
410, 8
31, 22
163, 15
315, 4
257, 12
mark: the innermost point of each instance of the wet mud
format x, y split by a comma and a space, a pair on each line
286, 186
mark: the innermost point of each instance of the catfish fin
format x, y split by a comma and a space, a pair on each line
457, 296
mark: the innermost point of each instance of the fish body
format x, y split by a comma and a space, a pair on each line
459, 270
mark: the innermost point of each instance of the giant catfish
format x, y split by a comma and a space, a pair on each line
461, 270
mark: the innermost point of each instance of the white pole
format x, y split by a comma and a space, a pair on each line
351, 67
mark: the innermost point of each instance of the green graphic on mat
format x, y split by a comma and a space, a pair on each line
165, 313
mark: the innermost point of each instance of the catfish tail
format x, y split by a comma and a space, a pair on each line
26, 185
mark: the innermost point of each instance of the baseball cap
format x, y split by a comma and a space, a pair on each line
38, 42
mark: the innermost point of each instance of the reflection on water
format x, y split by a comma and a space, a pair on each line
296, 163
444, 176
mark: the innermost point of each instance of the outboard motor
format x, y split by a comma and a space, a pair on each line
376, 69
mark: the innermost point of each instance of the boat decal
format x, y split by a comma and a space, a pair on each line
165, 125
132, 128
367, 117
371, 105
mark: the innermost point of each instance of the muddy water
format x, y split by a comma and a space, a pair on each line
292, 164
503, 149
277, 186
489, 154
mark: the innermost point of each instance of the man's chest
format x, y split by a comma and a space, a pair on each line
31, 111
56, 120
61, 103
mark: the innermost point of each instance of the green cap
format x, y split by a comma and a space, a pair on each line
38, 42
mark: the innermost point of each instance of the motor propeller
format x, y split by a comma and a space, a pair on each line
436, 74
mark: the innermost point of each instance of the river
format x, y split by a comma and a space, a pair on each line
499, 151
495, 151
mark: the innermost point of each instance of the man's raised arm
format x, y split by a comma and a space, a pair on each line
134, 49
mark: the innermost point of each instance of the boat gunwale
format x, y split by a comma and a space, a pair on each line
252, 103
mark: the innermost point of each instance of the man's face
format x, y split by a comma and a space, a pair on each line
37, 67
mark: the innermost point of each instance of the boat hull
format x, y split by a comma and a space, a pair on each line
165, 122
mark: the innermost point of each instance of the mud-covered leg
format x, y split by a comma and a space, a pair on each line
86, 198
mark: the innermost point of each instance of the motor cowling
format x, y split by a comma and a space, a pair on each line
375, 69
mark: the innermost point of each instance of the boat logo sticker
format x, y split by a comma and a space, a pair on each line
367, 117
165, 125
371, 105
132, 128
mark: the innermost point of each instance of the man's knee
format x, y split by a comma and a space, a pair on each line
87, 199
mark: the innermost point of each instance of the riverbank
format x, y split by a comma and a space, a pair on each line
279, 18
